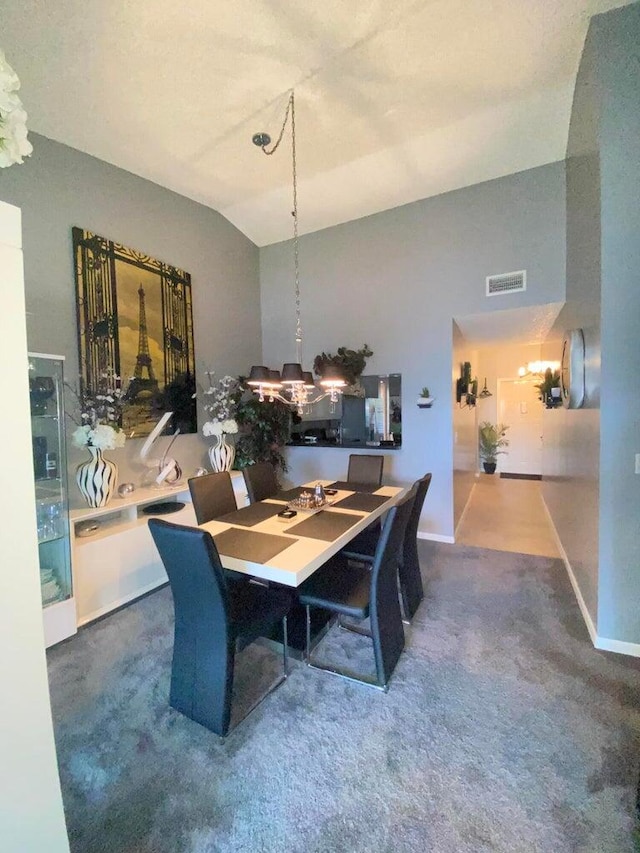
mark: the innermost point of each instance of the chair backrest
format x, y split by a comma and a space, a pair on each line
261, 481
212, 496
411, 587
365, 468
195, 573
386, 618
204, 633
421, 487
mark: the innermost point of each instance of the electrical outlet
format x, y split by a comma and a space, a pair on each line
637, 463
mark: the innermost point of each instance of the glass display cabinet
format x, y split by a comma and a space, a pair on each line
51, 495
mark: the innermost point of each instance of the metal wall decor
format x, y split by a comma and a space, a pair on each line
135, 322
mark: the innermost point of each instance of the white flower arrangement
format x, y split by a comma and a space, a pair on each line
14, 144
221, 405
100, 415
102, 436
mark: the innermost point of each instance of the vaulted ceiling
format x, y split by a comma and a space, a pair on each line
394, 101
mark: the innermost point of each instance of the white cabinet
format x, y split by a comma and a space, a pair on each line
117, 561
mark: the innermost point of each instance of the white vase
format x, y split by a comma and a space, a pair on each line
221, 454
97, 478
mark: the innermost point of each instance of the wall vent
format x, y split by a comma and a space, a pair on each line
508, 282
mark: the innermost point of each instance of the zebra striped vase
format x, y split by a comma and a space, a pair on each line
97, 478
222, 455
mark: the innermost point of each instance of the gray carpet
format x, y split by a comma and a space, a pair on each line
503, 730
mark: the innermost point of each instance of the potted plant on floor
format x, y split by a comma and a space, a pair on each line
492, 439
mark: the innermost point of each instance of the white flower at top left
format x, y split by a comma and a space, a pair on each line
14, 144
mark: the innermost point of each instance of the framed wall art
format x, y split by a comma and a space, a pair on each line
135, 322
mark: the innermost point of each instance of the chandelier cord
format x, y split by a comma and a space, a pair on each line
291, 111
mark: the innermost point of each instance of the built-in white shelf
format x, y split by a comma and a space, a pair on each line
118, 562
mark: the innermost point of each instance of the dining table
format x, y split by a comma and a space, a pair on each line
255, 541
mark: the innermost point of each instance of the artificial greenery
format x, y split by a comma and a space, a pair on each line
264, 430
349, 362
178, 396
491, 440
551, 380
425, 392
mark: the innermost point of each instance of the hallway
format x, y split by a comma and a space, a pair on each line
507, 515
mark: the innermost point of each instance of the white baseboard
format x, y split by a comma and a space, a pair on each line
436, 537
619, 646
604, 643
591, 628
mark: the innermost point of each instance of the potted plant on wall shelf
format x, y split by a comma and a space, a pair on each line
425, 400
349, 363
492, 439
549, 388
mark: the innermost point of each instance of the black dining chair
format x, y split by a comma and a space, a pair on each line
213, 620
358, 593
212, 496
261, 481
365, 468
363, 548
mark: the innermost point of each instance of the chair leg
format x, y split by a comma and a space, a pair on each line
348, 675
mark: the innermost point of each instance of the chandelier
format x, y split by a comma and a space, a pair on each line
293, 386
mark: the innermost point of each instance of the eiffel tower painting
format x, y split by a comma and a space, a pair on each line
144, 382
135, 321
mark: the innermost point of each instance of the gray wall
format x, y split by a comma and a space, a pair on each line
395, 281
593, 493
59, 187
571, 459
617, 37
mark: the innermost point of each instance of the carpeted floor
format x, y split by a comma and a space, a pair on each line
503, 730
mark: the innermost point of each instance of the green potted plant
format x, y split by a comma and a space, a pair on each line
492, 438
549, 388
264, 429
349, 363
425, 400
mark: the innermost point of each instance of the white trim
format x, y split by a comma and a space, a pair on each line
436, 537
591, 628
464, 511
10, 225
619, 646
46, 355
605, 644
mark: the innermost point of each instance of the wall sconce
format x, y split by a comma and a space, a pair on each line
485, 391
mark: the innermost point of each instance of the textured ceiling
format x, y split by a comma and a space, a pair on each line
395, 101
511, 326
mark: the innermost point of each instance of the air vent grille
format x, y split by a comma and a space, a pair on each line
508, 282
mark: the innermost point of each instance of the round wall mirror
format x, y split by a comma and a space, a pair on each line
572, 369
